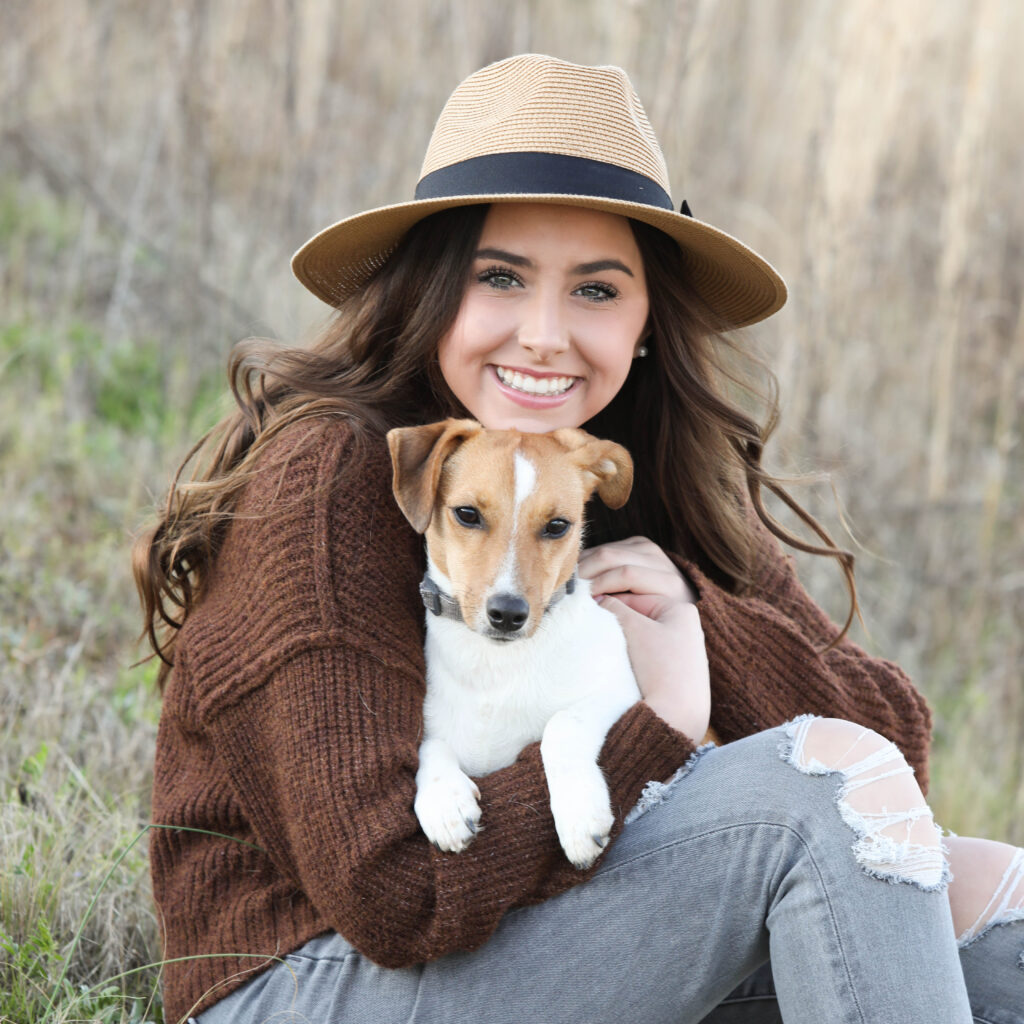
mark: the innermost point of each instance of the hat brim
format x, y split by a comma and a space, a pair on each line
737, 284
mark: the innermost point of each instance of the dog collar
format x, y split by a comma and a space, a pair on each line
436, 601
439, 603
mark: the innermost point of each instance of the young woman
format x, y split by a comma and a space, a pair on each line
540, 279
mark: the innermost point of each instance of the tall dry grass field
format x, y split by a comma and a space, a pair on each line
159, 162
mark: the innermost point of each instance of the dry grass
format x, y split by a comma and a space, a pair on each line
160, 162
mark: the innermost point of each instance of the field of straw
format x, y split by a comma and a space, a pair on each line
159, 162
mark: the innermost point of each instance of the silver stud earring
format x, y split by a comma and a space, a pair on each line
641, 352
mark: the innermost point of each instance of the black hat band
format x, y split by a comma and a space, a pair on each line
541, 174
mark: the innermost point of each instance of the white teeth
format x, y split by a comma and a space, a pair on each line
534, 385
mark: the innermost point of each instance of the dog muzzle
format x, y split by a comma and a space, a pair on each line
437, 602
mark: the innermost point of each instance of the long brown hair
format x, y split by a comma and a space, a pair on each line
698, 454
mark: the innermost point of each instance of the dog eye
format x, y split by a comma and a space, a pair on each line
556, 528
467, 515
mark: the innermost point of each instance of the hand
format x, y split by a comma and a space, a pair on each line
656, 607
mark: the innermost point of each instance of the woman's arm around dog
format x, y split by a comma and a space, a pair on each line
767, 649
292, 721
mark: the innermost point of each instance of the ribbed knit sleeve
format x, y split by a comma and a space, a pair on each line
766, 651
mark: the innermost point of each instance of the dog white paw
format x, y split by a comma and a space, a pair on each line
448, 812
583, 817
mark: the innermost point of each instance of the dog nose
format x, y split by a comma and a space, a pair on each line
507, 612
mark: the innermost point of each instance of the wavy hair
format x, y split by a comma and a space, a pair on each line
698, 453
699, 476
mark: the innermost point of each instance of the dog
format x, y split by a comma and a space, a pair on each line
516, 648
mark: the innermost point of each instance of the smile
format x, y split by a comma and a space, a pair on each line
529, 385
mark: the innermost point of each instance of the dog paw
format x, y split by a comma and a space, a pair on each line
585, 841
583, 819
448, 812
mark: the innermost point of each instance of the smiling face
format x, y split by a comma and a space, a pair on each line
553, 312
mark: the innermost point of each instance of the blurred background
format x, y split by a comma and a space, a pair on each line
160, 162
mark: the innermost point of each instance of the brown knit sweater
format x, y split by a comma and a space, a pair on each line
291, 722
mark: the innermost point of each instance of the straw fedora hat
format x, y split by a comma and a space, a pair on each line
535, 129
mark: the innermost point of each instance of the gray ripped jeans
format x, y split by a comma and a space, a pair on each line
753, 854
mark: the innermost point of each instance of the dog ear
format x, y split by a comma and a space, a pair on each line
609, 463
612, 465
417, 455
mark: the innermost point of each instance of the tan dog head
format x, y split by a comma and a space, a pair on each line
503, 511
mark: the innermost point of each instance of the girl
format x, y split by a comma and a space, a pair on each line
539, 279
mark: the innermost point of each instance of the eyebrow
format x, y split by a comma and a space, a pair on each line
522, 261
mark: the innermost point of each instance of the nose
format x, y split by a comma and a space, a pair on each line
507, 612
544, 328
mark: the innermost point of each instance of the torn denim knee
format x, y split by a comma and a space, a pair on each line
880, 854
1005, 906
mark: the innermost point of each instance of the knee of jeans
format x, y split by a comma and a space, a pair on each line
879, 798
988, 887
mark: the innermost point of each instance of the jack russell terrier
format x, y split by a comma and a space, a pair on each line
516, 649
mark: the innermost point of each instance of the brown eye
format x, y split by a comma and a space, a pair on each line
466, 515
556, 528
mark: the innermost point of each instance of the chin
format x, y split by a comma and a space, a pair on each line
531, 424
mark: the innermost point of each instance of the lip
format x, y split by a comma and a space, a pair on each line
533, 401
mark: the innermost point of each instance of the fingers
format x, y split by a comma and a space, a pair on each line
637, 579
649, 620
622, 606
634, 619
633, 550
635, 565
